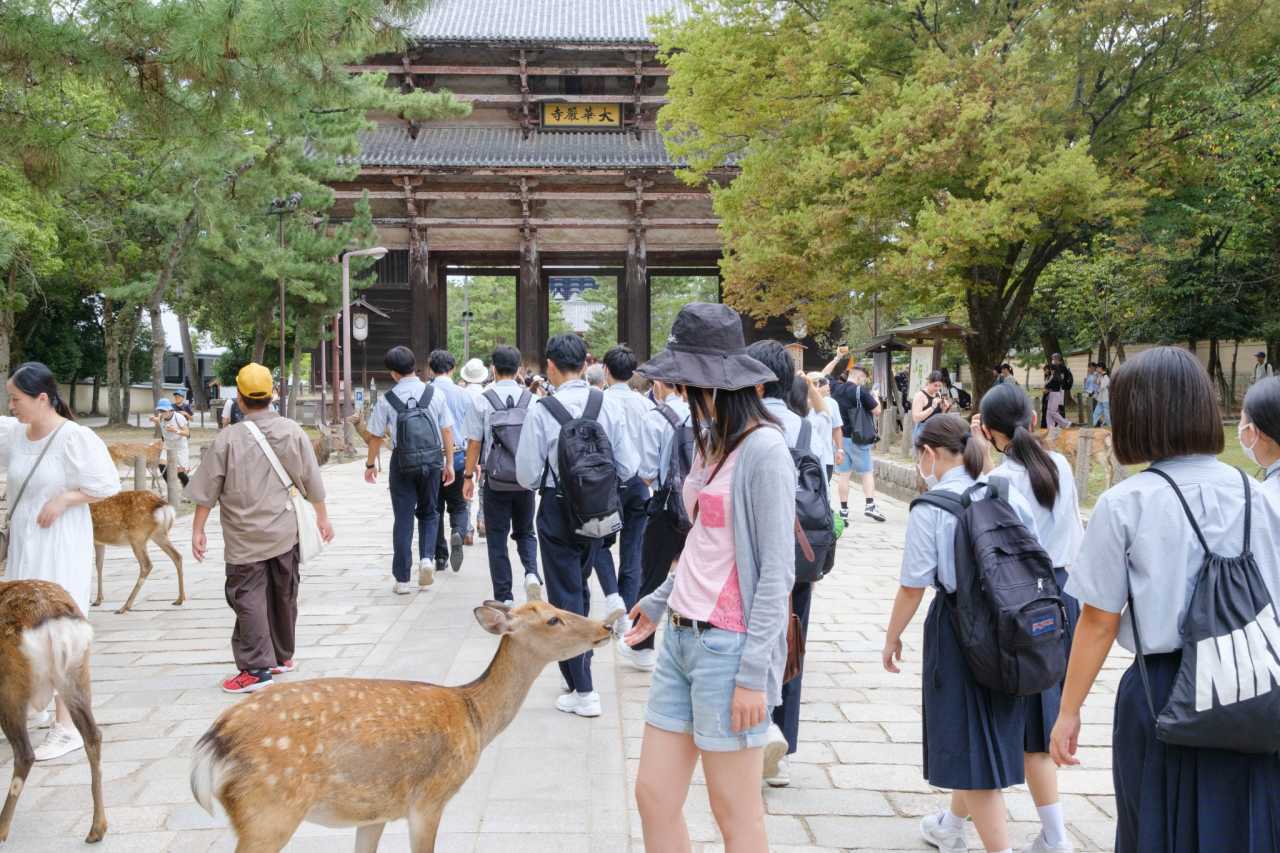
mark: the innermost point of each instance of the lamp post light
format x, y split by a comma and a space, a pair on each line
376, 252
280, 207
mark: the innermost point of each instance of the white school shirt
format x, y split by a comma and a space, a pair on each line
1103, 393
791, 426
1139, 523
656, 438
540, 436
821, 422
930, 553
383, 417
1058, 529
1271, 481
635, 406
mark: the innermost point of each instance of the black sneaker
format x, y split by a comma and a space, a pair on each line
441, 563
873, 513
844, 513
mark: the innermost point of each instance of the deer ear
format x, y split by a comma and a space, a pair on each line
493, 621
498, 605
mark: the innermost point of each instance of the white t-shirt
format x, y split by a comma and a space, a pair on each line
1103, 394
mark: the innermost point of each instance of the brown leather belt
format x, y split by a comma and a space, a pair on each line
696, 624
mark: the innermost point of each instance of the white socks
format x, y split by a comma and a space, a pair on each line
1051, 821
950, 821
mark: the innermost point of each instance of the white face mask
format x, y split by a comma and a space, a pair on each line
930, 480
1247, 448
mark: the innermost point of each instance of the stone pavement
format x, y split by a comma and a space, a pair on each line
550, 782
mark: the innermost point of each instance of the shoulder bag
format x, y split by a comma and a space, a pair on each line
309, 542
8, 516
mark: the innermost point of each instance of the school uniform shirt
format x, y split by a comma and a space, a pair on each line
1139, 523
635, 407
929, 556
656, 439
791, 426
383, 417
540, 438
476, 425
1271, 481
821, 423
1058, 529
459, 402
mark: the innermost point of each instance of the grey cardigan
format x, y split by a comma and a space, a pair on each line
763, 507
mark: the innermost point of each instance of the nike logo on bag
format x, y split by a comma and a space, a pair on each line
1241, 665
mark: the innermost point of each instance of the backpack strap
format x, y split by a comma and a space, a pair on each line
668, 413
396, 403
525, 398
557, 409
495, 400
1248, 511
595, 402
424, 402
1191, 516
948, 502
804, 441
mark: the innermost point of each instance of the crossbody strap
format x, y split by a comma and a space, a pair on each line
21, 489
271, 455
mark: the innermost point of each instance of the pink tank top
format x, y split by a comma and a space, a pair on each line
706, 586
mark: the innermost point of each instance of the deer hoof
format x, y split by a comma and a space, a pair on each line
96, 834
179, 602
122, 610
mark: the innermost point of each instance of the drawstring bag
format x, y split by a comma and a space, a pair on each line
1226, 694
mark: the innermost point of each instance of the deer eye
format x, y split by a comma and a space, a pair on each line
554, 620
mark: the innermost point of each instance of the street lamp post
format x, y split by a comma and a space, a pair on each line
280, 207
376, 252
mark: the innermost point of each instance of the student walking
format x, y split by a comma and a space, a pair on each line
859, 413
1046, 481
1160, 547
493, 429
724, 643
973, 735
176, 431
633, 494
1259, 431
56, 468
1102, 398
1261, 368
421, 425
568, 542
441, 363
259, 529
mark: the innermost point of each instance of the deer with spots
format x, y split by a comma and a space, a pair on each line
361, 752
44, 646
135, 518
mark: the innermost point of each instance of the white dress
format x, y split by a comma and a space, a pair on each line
62, 553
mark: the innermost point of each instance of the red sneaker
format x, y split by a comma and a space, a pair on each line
247, 682
281, 668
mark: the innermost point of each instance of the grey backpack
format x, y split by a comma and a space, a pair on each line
505, 423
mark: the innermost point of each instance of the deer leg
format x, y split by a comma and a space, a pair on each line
162, 539
78, 694
144, 569
264, 831
367, 837
99, 557
424, 823
13, 722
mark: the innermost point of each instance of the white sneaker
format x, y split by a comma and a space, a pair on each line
509, 603
947, 840
426, 572
402, 588
781, 777
532, 587
642, 659
775, 751
582, 704
1039, 845
40, 719
59, 742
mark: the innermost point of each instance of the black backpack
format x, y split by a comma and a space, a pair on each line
671, 500
505, 424
1225, 694
1007, 609
237, 414
813, 511
588, 479
418, 446
860, 423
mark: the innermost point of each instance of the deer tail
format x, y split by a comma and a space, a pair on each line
54, 650
208, 771
165, 516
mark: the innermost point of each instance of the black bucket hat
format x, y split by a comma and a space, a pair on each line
706, 350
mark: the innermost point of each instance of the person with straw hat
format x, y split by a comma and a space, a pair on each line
725, 603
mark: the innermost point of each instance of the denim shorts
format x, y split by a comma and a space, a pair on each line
692, 689
857, 458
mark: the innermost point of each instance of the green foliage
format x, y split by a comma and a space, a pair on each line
668, 294
492, 302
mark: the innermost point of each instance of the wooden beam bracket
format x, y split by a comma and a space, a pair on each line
526, 107
408, 87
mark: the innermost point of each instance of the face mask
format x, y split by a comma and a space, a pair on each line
929, 479
1247, 448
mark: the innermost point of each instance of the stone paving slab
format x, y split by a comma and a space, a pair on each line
550, 782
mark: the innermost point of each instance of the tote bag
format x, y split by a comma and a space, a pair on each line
309, 542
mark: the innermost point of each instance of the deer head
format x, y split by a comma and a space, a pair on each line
545, 632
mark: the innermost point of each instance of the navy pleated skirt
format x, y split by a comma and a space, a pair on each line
972, 736
1175, 799
1042, 710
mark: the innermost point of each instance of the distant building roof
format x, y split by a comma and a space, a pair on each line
543, 21
930, 327
390, 145
578, 312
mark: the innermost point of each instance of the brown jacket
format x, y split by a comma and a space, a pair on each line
257, 516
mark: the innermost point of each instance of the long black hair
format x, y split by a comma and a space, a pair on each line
718, 433
34, 378
951, 432
1262, 405
798, 396
1006, 408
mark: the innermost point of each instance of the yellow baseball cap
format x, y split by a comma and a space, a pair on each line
254, 381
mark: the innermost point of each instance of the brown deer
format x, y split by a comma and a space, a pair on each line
1067, 442
44, 646
323, 446
124, 452
362, 752
134, 519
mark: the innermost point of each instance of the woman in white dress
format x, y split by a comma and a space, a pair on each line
51, 531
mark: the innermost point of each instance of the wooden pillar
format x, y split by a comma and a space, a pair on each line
633, 304
420, 303
438, 311
531, 304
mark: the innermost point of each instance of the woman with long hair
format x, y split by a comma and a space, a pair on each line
724, 607
56, 468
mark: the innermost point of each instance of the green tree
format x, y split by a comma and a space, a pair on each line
492, 302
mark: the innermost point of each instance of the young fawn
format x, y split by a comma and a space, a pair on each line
44, 646
124, 452
361, 752
134, 519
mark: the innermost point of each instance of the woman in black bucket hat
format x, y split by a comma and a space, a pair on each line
725, 602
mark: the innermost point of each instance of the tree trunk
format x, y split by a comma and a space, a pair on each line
1119, 351
111, 331
157, 351
1235, 360
95, 409
1104, 354
260, 337
71, 395
198, 398
1215, 371
130, 339
6, 333
295, 380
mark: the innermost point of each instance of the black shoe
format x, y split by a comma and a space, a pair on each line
455, 550
844, 513
871, 512
441, 563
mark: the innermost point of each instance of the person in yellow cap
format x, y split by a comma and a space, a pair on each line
259, 530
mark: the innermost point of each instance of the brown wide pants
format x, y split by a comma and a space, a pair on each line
264, 596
